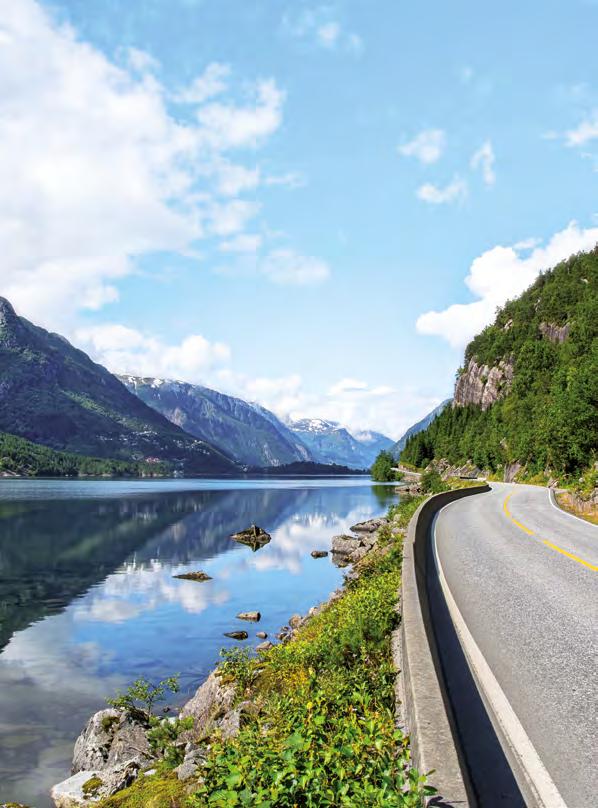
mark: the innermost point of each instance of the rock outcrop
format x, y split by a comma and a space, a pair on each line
555, 333
110, 738
482, 385
211, 702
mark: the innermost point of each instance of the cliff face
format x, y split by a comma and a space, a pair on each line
483, 385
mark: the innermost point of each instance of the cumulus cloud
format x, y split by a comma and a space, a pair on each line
455, 191
483, 160
586, 131
96, 171
427, 146
500, 274
126, 350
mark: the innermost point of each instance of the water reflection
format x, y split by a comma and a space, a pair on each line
88, 600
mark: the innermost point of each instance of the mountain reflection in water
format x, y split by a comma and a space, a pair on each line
88, 600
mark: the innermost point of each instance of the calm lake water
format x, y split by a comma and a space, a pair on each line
88, 601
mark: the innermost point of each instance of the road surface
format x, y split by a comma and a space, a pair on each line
523, 578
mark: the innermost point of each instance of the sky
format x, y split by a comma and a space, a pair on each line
310, 205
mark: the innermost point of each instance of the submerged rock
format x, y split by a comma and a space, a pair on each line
236, 635
194, 576
254, 537
253, 616
319, 553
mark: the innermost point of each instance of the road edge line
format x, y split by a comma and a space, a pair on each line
554, 502
502, 715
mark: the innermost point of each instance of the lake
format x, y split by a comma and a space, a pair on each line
88, 601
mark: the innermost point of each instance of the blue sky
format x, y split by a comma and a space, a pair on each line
314, 205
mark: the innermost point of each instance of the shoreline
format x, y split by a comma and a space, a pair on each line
221, 709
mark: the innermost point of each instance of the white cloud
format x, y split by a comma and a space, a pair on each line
483, 159
427, 146
285, 266
455, 191
95, 171
243, 243
126, 350
498, 275
213, 81
585, 132
319, 26
228, 125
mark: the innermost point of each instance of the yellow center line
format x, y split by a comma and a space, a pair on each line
552, 546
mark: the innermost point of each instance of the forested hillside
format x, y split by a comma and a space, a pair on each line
528, 391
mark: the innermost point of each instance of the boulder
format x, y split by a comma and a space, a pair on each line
111, 737
236, 635
261, 634
212, 700
367, 527
87, 787
295, 621
194, 576
254, 537
319, 553
195, 758
344, 544
264, 646
254, 616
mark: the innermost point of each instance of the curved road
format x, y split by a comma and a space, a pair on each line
524, 579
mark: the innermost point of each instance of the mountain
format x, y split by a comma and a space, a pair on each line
425, 422
329, 442
53, 394
526, 398
249, 433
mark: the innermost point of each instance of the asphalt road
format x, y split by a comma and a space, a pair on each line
524, 578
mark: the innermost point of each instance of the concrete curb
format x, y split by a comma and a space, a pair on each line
426, 711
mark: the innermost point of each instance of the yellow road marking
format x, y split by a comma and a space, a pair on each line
544, 541
570, 555
519, 525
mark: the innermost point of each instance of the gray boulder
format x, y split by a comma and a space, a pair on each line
211, 702
110, 738
87, 787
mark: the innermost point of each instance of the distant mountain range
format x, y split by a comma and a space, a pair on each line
329, 442
425, 422
249, 433
55, 396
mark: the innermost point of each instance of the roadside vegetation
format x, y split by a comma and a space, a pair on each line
322, 731
20, 457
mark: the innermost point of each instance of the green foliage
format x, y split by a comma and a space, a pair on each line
160, 790
90, 787
237, 666
382, 469
549, 419
20, 456
432, 483
163, 738
143, 695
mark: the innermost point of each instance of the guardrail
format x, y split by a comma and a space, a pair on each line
427, 711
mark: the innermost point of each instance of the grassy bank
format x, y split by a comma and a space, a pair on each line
322, 732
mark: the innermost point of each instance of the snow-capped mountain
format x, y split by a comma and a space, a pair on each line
329, 442
247, 432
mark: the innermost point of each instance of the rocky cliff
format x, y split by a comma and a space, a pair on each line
482, 385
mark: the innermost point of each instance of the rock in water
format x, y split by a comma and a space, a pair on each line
319, 553
236, 635
254, 537
261, 634
194, 576
254, 616
264, 646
